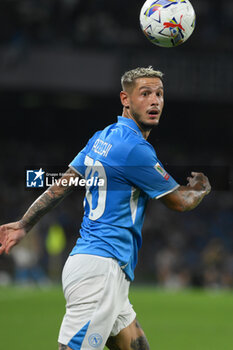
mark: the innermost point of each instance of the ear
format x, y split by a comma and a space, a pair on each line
124, 98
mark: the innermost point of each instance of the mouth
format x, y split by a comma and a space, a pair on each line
153, 113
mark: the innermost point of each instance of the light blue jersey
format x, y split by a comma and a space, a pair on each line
114, 209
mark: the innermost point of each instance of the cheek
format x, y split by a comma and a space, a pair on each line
143, 103
138, 105
162, 103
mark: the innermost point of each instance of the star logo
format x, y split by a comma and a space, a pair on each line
35, 178
39, 174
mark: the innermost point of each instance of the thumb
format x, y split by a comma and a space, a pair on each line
3, 237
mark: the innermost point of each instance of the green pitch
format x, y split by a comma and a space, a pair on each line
187, 320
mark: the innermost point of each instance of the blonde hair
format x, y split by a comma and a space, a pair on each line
128, 78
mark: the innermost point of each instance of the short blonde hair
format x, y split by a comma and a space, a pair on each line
128, 78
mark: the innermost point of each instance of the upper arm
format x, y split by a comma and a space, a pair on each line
78, 163
65, 185
146, 172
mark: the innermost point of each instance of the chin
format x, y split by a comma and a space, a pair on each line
150, 125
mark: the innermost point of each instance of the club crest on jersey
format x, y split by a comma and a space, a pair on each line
161, 171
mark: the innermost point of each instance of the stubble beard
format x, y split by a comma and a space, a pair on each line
144, 125
136, 117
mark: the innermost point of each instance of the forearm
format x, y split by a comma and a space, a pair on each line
48, 200
189, 198
12, 233
43, 204
184, 198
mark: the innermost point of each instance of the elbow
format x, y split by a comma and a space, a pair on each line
183, 207
180, 206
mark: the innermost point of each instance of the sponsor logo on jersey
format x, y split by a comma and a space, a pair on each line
161, 171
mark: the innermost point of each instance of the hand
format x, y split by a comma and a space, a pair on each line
10, 235
199, 182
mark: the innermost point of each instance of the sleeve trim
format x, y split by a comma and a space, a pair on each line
165, 193
73, 168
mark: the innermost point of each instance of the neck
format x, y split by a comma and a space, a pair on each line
126, 113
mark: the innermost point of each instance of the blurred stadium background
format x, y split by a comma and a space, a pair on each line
60, 68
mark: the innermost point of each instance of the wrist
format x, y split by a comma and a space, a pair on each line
24, 225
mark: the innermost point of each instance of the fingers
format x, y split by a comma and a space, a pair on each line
189, 179
208, 187
9, 246
195, 174
194, 177
10, 235
3, 238
2, 248
200, 181
198, 176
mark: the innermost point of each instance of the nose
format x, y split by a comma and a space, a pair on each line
154, 100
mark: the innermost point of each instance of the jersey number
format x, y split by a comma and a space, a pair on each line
91, 170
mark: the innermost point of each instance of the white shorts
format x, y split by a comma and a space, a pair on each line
97, 305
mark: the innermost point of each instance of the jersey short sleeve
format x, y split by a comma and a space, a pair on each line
146, 172
78, 163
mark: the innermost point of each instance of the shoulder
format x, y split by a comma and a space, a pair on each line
118, 139
142, 153
128, 148
92, 140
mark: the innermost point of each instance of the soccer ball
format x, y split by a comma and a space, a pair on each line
167, 23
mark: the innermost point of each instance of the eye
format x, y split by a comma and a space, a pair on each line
159, 93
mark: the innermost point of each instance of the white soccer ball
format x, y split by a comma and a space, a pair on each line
167, 23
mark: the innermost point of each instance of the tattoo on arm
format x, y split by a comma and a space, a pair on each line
48, 200
111, 344
63, 347
140, 343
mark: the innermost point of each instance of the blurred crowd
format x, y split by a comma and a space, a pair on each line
190, 249
101, 23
